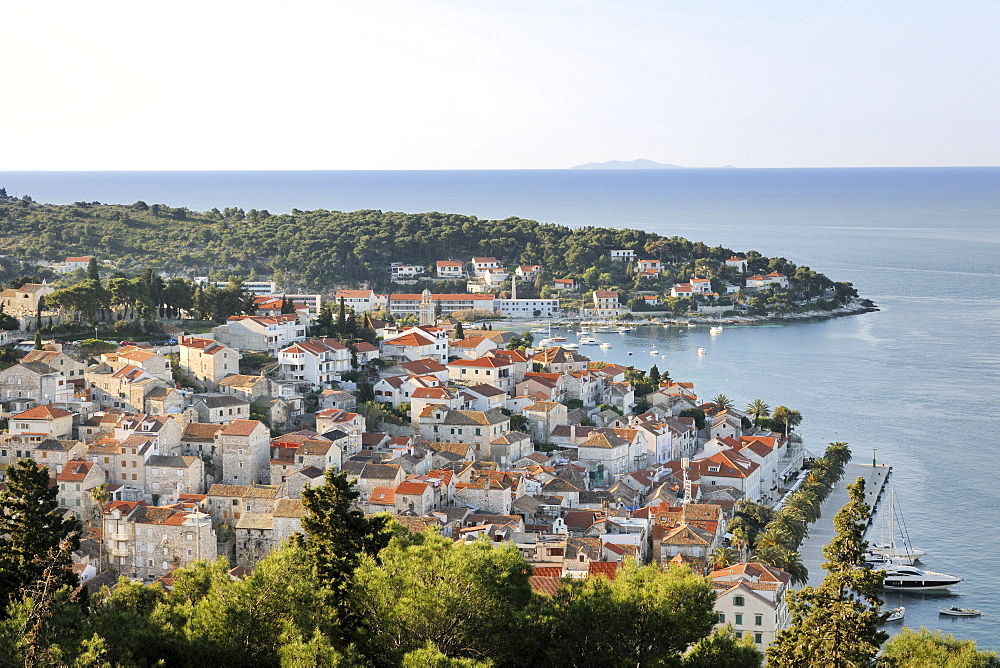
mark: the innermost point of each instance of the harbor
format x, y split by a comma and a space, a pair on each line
822, 531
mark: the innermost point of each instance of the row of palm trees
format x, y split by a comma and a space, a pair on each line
773, 537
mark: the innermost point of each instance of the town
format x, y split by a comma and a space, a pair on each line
200, 445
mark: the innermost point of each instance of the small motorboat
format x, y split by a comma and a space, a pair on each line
960, 612
654, 352
558, 339
605, 345
630, 352
702, 351
896, 614
715, 330
623, 330
588, 341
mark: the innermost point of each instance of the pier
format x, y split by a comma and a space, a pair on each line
822, 531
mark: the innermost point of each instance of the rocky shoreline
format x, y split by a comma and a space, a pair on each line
857, 307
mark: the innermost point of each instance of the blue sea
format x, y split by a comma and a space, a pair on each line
916, 384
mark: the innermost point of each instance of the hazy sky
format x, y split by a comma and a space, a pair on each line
471, 84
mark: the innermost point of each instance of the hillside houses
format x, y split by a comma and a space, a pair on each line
469, 438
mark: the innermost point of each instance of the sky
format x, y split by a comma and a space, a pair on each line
488, 85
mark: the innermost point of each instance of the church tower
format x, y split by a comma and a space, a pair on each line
426, 308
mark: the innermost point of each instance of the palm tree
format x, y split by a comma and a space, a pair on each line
805, 502
722, 402
758, 409
723, 557
741, 541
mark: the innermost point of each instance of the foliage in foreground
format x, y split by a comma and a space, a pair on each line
933, 649
837, 624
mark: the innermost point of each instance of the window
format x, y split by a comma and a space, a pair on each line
738, 600
739, 619
758, 620
738, 634
722, 618
758, 638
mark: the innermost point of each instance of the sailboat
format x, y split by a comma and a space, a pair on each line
892, 541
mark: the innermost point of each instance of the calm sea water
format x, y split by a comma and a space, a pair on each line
919, 381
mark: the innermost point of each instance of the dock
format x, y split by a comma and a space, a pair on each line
821, 532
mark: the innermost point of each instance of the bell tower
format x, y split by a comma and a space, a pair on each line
426, 308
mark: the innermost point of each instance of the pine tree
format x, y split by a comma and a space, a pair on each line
30, 529
836, 625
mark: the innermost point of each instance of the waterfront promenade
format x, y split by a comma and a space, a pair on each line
822, 531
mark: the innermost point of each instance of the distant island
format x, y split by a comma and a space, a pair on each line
641, 163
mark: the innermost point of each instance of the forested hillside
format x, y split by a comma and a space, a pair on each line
318, 250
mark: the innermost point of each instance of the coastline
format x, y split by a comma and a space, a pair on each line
857, 307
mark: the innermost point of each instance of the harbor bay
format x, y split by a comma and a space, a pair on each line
915, 384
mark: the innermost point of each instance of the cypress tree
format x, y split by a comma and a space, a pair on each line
38, 340
342, 318
459, 332
92, 272
336, 535
836, 625
30, 529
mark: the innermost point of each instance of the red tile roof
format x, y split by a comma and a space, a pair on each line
46, 412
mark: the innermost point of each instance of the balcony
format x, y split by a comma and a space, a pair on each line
120, 552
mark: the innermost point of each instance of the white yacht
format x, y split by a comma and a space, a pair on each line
588, 341
605, 345
911, 578
702, 351
717, 329
896, 614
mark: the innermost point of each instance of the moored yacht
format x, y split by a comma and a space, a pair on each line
911, 578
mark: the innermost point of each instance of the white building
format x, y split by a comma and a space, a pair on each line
259, 288
481, 264
360, 300
260, 333
317, 361
528, 308
450, 269
751, 597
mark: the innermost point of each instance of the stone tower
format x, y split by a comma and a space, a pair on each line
426, 308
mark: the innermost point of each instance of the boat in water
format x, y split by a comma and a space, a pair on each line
896, 614
588, 341
623, 330
571, 346
960, 612
911, 578
605, 345
715, 330
702, 351
558, 339
890, 537
654, 352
